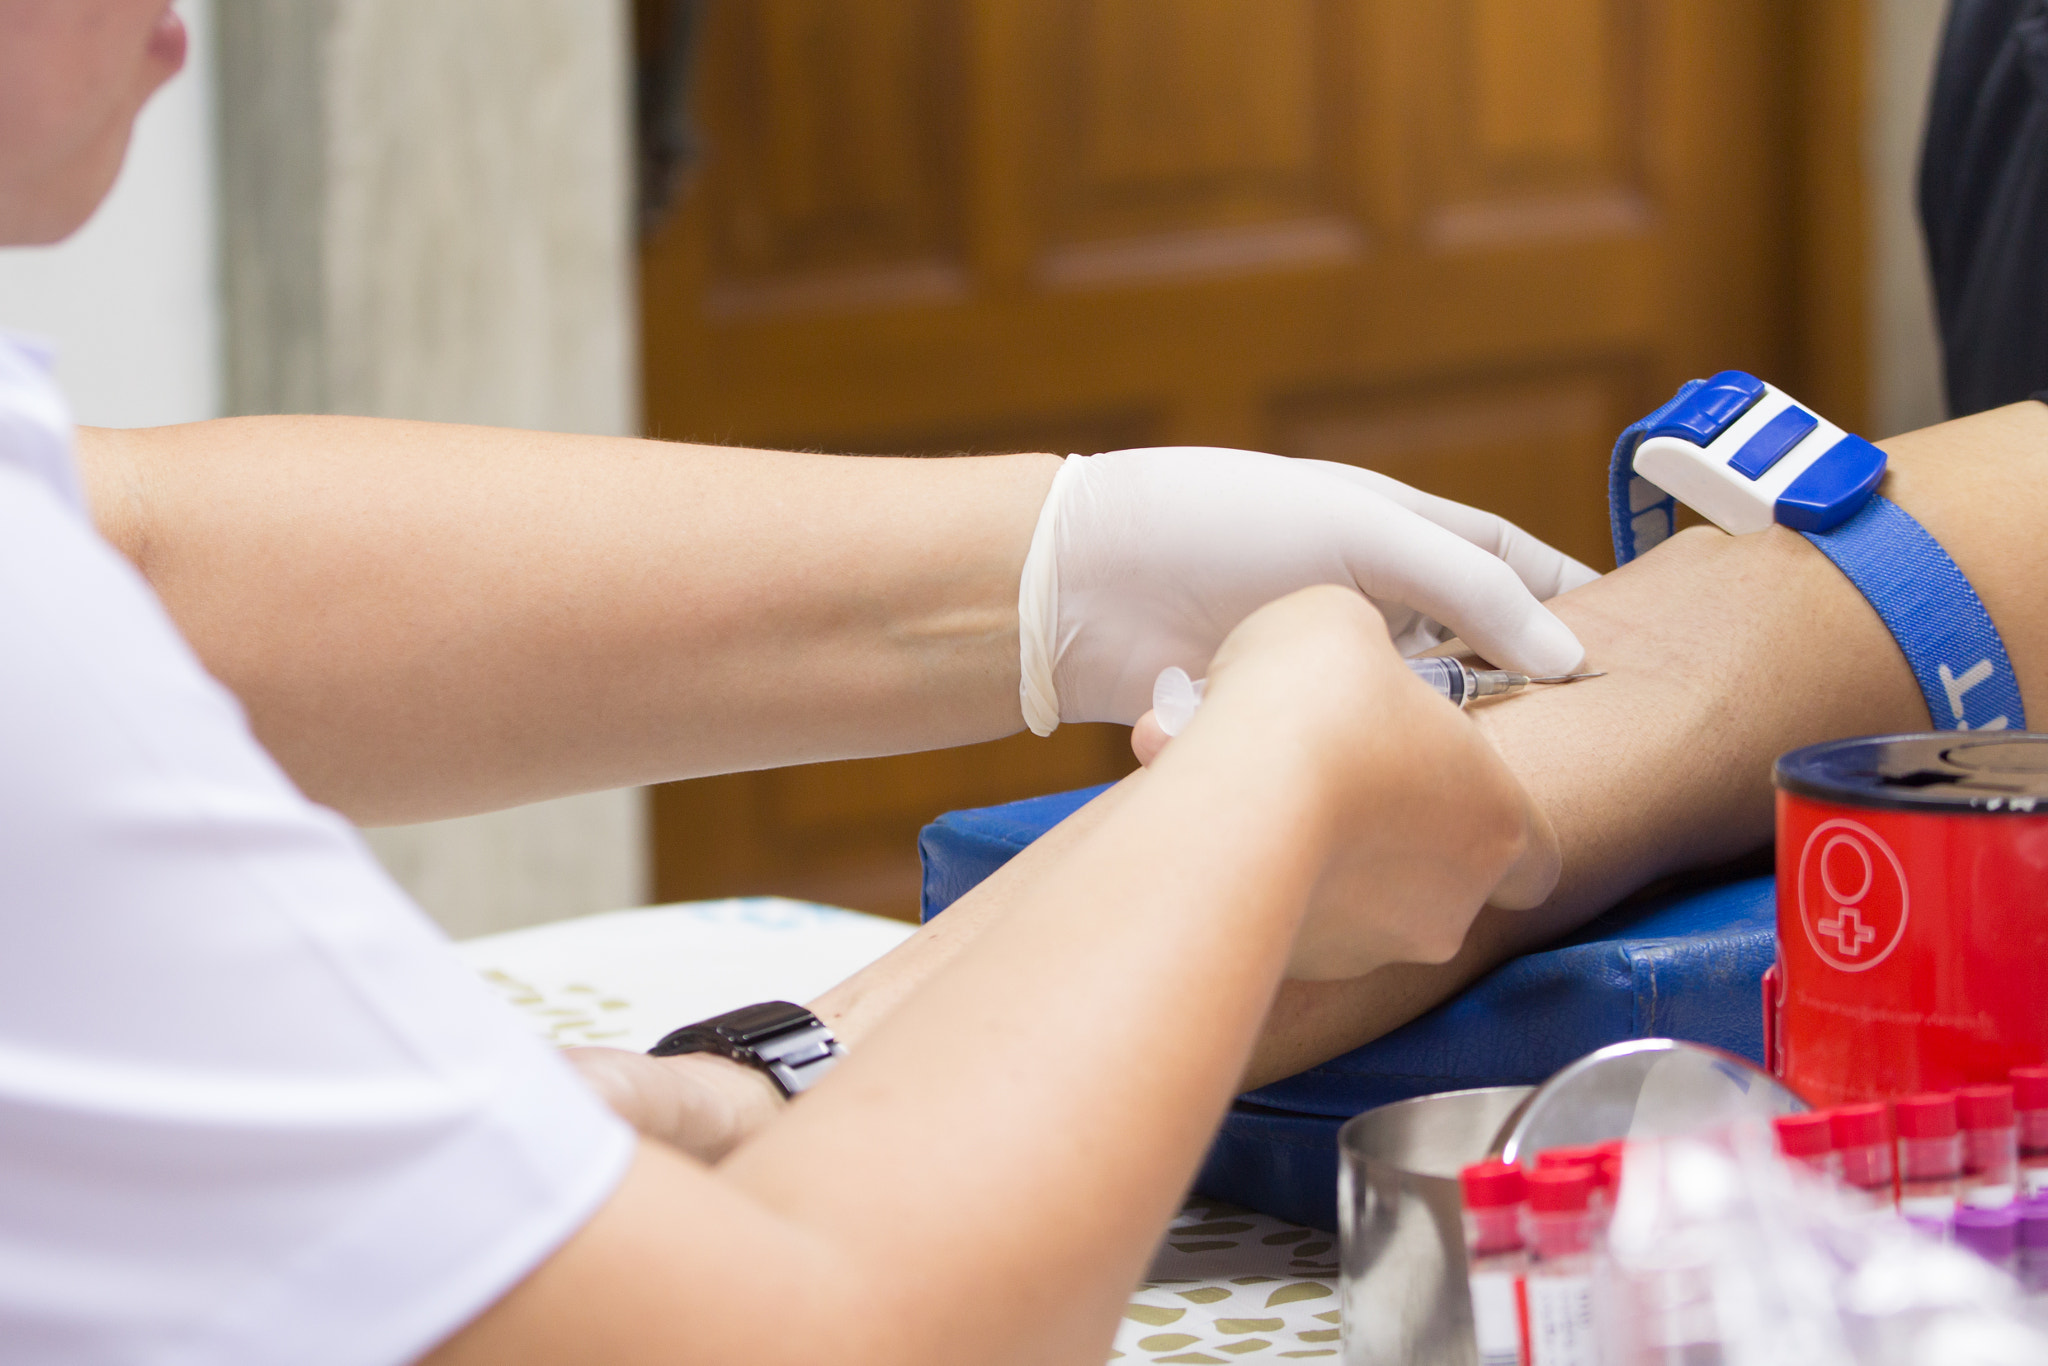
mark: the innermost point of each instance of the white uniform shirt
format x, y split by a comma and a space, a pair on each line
252, 1108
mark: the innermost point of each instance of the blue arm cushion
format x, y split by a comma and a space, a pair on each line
1684, 964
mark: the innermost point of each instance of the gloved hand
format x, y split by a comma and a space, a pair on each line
1147, 558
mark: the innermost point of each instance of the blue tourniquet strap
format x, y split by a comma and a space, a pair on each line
1932, 612
1642, 514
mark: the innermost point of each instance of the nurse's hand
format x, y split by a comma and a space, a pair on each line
699, 1102
1422, 823
1147, 558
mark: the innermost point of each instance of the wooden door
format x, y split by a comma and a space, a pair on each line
1461, 241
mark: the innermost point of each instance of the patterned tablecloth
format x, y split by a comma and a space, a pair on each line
1227, 1285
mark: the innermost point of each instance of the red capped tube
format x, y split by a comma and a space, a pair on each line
1595, 1158
1991, 1155
1494, 1259
1494, 1193
1863, 1147
2030, 1116
1930, 1156
1558, 1291
1807, 1139
1560, 1211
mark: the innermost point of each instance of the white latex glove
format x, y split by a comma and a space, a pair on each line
1146, 559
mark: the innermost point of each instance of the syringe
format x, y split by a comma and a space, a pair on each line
1460, 683
1175, 696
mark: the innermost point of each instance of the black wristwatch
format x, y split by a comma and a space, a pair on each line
787, 1042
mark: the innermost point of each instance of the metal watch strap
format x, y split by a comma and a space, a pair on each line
794, 1047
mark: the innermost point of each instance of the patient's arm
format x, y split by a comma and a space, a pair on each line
1721, 653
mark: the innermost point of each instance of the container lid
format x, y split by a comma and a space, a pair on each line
1931, 1115
1607, 1160
1491, 1185
1859, 1126
2002, 772
1984, 1107
2034, 1221
1807, 1135
1560, 1190
1585, 1155
2030, 1088
1990, 1233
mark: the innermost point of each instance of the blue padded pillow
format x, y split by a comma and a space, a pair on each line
1682, 963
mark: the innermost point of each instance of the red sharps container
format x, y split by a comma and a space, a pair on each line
1930, 1157
1912, 936
1807, 1139
1991, 1155
1494, 1259
2030, 1114
1863, 1148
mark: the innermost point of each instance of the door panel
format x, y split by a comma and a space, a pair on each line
838, 129
1461, 241
1539, 132
1535, 444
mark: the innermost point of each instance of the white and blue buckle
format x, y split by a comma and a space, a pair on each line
1743, 454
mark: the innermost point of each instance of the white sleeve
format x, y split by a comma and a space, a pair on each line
252, 1107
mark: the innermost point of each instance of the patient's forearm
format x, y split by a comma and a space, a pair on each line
1721, 653
427, 620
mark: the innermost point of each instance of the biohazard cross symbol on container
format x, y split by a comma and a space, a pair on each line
1852, 895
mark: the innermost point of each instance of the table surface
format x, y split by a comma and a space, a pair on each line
1226, 1285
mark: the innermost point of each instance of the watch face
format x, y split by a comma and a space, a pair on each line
756, 1021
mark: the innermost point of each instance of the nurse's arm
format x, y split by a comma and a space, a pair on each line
984, 1179
1721, 653
428, 620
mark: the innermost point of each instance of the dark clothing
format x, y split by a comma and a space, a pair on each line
1984, 201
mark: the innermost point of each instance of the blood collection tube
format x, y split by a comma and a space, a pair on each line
1863, 1148
2030, 1110
2033, 1245
1930, 1158
1495, 1259
1607, 1163
1558, 1289
1991, 1157
1589, 1156
1809, 1140
1991, 1233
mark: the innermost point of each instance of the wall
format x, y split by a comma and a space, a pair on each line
427, 216
133, 300
373, 206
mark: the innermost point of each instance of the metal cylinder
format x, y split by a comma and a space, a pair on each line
1405, 1298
